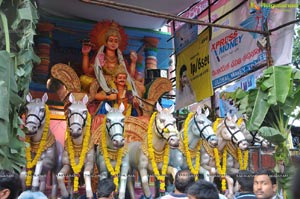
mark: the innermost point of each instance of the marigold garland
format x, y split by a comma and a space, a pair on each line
113, 172
160, 177
216, 123
221, 170
194, 170
243, 158
29, 162
77, 167
239, 122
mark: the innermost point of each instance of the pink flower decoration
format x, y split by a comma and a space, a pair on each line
101, 58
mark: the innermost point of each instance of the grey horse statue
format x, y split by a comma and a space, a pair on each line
151, 155
79, 152
112, 158
197, 129
43, 153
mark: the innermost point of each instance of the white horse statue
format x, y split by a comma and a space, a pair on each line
79, 151
197, 129
228, 133
43, 153
151, 155
112, 157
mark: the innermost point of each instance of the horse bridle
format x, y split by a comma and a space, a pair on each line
233, 134
161, 133
109, 128
201, 130
255, 139
34, 115
83, 118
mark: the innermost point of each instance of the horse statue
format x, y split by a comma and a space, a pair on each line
252, 137
112, 153
43, 153
79, 151
228, 134
197, 129
150, 155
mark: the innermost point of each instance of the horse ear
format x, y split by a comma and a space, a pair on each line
199, 110
234, 118
71, 98
28, 97
207, 112
45, 98
171, 109
107, 107
121, 107
158, 107
85, 99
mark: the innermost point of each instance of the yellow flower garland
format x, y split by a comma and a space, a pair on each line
243, 159
221, 170
194, 170
29, 162
114, 172
160, 177
77, 167
216, 123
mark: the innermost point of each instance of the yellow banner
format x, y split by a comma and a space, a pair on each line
193, 77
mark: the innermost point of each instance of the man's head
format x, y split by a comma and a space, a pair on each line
203, 190
183, 76
10, 185
183, 179
121, 76
264, 185
245, 180
106, 188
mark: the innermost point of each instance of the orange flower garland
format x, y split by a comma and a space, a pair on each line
160, 177
29, 162
194, 170
77, 167
114, 172
221, 170
243, 158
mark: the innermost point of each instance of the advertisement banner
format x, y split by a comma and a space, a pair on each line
193, 82
233, 54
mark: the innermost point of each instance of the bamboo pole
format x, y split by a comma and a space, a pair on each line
152, 13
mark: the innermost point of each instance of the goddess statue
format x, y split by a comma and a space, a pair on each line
107, 61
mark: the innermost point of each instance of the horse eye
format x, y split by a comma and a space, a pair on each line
201, 122
162, 120
232, 127
122, 120
84, 113
42, 110
108, 121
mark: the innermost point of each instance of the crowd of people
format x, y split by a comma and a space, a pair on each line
259, 185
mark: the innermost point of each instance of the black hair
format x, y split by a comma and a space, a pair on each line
183, 180
10, 180
245, 179
182, 70
105, 187
268, 173
203, 190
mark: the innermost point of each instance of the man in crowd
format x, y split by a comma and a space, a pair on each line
245, 185
183, 180
264, 185
10, 184
203, 190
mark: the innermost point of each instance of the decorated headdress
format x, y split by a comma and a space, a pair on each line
103, 30
120, 70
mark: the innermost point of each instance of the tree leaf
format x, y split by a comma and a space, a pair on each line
272, 135
260, 109
277, 83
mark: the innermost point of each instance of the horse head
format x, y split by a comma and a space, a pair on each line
77, 116
252, 137
115, 125
35, 113
229, 131
201, 126
165, 125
